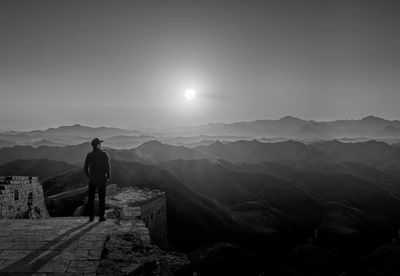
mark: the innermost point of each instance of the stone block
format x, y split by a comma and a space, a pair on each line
90, 244
6, 245
55, 265
130, 212
71, 246
89, 266
73, 255
41, 227
94, 254
10, 254
27, 245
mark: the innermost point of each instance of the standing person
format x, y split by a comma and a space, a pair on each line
97, 169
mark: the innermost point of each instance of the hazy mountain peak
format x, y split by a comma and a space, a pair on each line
373, 119
152, 143
290, 118
78, 126
75, 126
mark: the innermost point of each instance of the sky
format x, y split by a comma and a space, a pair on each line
128, 63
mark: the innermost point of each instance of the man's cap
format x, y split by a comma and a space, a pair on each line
96, 141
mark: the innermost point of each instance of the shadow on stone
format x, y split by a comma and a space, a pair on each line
41, 256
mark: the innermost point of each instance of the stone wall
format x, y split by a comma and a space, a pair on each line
145, 205
21, 197
154, 214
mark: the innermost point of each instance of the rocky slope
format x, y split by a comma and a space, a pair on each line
126, 254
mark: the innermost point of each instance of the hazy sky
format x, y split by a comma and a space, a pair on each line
128, 63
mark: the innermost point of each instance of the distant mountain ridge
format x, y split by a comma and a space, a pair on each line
63, 135
288, 127
87, 131
293, 153
43, 168
155, 151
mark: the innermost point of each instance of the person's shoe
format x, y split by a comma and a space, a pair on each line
102, 219
91, 219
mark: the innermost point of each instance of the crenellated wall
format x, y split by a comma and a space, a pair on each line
21, 197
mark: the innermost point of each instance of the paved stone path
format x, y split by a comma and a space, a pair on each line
68, 246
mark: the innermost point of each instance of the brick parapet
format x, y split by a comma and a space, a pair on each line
19, 194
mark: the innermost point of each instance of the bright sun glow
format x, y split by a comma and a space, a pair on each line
190, 94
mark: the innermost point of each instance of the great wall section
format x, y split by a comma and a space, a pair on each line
21, 197
33, 243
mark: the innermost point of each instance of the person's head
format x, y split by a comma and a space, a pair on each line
96, 143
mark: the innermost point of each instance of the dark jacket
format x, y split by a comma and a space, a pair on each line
97, 165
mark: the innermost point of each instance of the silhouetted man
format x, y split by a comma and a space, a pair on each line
97, 169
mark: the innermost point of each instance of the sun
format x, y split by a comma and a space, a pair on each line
190, 94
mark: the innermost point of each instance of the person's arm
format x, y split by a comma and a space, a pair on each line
86, 167
108, 167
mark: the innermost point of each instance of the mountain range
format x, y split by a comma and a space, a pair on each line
320, 207
292, 127
297, 154
285, 128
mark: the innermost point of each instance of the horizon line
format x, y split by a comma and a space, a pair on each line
136, 128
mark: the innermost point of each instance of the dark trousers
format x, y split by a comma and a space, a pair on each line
100, 184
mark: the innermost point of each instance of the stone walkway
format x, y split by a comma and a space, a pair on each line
68, 246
